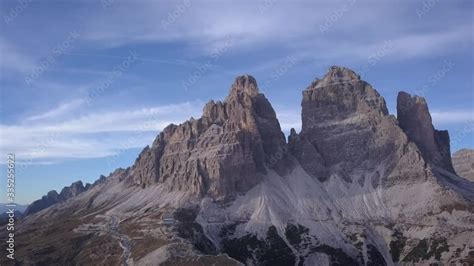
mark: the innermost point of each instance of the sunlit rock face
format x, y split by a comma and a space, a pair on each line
224, 152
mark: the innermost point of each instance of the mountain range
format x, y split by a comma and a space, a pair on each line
356, 186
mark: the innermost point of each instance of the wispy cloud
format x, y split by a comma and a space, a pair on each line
91, 135
202, 28
62, 109
422, 44
452, 117
207, 25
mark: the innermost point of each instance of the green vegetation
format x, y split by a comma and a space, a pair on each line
424, 251
397, 245
270, 251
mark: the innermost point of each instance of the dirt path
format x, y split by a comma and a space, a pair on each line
113, 229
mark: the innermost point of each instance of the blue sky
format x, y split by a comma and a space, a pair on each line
85, 85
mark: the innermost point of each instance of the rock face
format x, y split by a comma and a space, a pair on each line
224, 152
347, 131
415, 119
463, 162
53, 197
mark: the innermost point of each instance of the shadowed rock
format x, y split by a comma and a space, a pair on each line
415, 119
53, 197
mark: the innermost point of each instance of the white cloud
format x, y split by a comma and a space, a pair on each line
62, 109
92, 135
451, 117
293, 27
422, 44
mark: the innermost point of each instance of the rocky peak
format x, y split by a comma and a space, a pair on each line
52, 197
414, 108
72, 190
407, 101
336, 74
414, 118
245, 84
346, 128
224, 152
52, 194
341, 94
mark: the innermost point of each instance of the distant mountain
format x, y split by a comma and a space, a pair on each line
356, 186
18, 207
463, 161
53, 197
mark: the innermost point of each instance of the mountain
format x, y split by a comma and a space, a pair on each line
53, 197
66, 193
356, 186
415, 120
463, 162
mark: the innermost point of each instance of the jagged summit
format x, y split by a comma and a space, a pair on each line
343, 92
335, 75
244, 85
410, 100
225, 152
346, 127
54, 197
415, 119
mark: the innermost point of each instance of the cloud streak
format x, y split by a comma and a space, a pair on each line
92, 135
205, 26
62, 109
